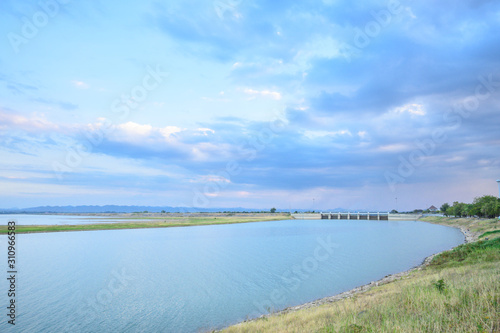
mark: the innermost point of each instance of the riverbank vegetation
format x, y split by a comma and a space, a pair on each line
140, 222
480, 227
457, 292
486, 206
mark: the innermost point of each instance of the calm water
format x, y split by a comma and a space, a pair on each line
200, 278
34, 219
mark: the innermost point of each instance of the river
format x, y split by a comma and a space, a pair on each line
200, 278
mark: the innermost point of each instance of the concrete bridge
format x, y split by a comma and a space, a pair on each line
375, 216
355, 216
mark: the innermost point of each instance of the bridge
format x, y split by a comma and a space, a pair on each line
374, 216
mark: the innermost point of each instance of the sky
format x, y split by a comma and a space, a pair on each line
320, 104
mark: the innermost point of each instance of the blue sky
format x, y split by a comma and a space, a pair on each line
258, 104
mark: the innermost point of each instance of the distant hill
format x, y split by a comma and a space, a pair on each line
133, 209
118, 209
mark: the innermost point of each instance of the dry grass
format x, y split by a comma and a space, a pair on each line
476, 225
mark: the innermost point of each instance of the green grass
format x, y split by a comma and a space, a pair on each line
460, 299
153, 222
472, 253
458, 292
489, 233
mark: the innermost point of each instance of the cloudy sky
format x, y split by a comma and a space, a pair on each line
249, 103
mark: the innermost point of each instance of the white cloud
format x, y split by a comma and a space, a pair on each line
265, 93
362, 134
134, 129
34, 123
319, 134
206, 131
169, 130
211, 178
80, 84
394, 148
412, 108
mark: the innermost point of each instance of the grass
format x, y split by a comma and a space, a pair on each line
472, 253
495, 233
459, 291
148, 222
476, 225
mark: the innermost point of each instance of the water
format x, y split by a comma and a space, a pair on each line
38, 219
200, 278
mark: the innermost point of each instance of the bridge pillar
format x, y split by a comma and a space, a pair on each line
378, 216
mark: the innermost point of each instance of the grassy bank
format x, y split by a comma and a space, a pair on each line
149, 222
459, 291
480, 227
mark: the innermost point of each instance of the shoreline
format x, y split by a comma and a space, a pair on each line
469, 238
149, 223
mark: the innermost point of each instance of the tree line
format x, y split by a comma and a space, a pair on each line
486, 206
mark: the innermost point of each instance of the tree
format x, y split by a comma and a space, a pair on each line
457, 209
444, 207
394, 211
449, 211
490, 209
486, 205
273, 210
468, 210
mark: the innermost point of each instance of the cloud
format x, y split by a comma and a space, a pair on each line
347, 120
413, 109
16, 87
265, 93
61, 104
318, 134
205, 131
170, 131
80, 84
34, 124
131, 129
395, 148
